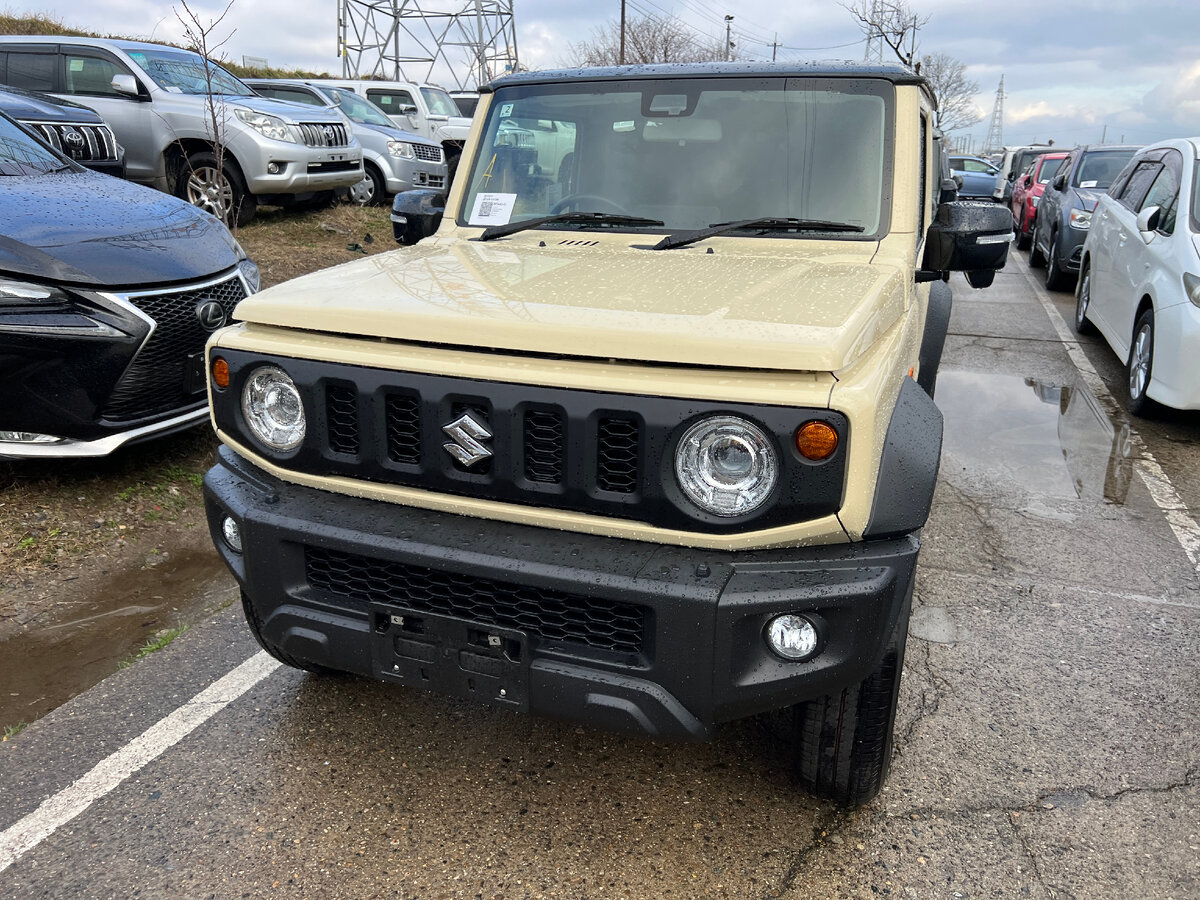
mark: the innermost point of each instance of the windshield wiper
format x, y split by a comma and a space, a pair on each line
769, 223
573, 218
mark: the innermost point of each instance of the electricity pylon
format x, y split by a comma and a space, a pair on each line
995, 137
464, 42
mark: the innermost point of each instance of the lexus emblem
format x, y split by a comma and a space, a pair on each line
211, 315
466, 436
74, 138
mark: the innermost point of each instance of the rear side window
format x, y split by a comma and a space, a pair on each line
291, 95
31, 71
1164, 193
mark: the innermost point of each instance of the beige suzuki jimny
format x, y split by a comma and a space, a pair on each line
640, 432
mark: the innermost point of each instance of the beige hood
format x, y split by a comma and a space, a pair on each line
798, 305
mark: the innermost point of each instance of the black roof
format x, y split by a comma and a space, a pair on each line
822, 69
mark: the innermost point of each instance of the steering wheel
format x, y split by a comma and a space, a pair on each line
589, 200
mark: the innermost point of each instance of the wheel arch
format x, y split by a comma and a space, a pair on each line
179, 150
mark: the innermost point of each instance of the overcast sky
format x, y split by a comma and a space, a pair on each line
1075, 71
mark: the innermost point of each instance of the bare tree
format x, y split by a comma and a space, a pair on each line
954, 91
649, 39
892, 21
210, 183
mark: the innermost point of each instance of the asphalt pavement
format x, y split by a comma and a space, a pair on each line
1046, 744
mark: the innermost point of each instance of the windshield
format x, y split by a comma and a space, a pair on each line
439, 102
183, 72
689, 152
20, 154
358, 110
1098, 168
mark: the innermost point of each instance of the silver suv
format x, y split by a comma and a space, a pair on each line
156, 98
393, 160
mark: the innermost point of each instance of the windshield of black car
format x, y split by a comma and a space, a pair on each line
20, 154
1098, 168
687, 151
184, 72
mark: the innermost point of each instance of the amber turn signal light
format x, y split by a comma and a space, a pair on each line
220, 373
816, 440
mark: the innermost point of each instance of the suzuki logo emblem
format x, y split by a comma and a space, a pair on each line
211, 314
466, 435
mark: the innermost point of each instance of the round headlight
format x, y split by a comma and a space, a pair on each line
273, 409
726, 465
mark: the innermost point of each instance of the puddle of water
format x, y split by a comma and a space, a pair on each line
43, 667
1022, 436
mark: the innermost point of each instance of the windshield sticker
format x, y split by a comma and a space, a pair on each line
77, 65
1091, 184
492, 209
506, 110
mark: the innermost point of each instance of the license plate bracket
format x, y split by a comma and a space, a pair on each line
195, 379
451, 656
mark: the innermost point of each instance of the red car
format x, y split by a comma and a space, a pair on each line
1027, 190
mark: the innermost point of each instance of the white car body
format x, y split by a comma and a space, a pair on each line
1131, 266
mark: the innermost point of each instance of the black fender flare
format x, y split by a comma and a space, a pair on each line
937, 324
908, 468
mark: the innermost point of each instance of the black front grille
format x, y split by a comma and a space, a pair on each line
545, 446
617, 455
83, 143
428, 152
157, 380
341, 410
527, 445
322, 134
552, 614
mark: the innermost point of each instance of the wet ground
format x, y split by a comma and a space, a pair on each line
1046, 740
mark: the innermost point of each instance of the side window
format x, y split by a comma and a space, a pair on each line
293, 95
1139, 183
91, 75
390, 101
1118, 185
1164, 193
31, 71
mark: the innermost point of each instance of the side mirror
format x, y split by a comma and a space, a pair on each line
125, 84
416, 215
408, 110
949, 191
969, 237
1060, 181
1147, 222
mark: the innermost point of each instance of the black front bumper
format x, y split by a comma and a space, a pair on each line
619, 634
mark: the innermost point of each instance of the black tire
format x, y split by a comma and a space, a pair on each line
1056, 276
215, 189
842, 743
255, 624
1036, 260
1083, 299
1139, 367
1023, 233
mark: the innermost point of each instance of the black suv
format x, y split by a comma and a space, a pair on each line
70, 128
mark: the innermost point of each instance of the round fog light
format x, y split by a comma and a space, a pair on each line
232, 534
792, 637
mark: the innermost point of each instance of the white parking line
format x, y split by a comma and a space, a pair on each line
64, 806
1187, 532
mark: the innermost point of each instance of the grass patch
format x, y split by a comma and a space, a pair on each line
153, 645
11, 731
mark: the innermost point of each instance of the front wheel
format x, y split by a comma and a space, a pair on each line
371, 191
842, 743
1036, 260
1023, 233
1056, 276
217, 188
1083, 299
1141, 364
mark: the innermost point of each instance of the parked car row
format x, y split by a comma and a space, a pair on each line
1121, 226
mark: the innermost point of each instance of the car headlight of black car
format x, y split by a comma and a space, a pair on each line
28, 293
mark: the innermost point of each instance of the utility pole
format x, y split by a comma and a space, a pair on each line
774, 46
728, 36
622, 59
1104, 133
